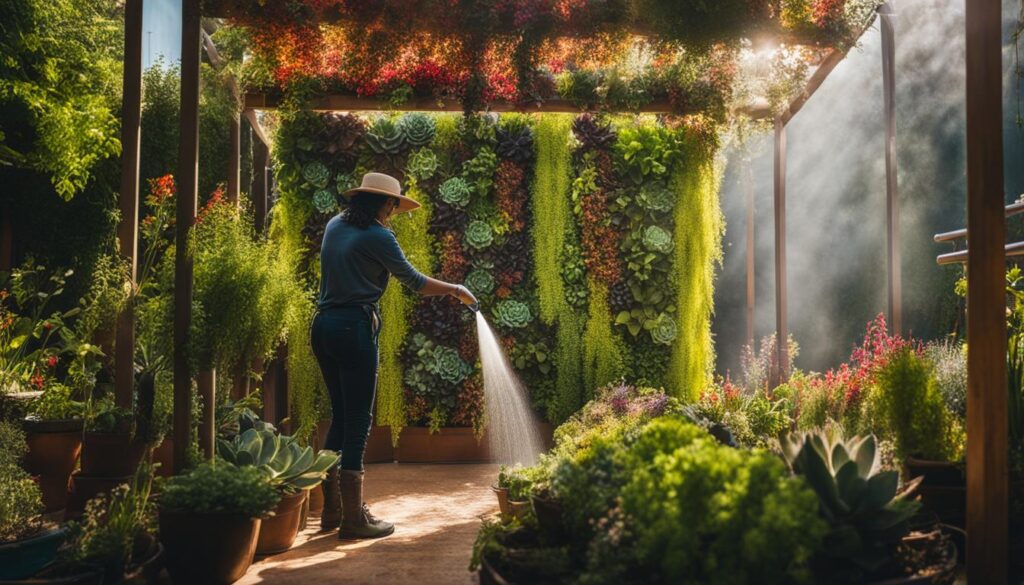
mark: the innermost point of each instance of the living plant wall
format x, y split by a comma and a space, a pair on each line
590, 241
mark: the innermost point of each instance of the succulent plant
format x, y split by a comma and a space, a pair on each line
422, 164
866, 511
456, 191
340, 136
591, 133
657, 239
325, 201
479, 170
655, 196
386, 137
446, 363
479, 234
317, 174
345, 181
288, 465
417, 128
664, 330
515, 144
512, 314
480, 282
620, 297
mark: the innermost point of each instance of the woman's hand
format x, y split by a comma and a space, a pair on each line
462, 293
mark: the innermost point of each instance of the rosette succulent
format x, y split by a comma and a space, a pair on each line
341, 134
655, 196
480, 282
479, 234
325, 201
515, 144
657, 239
344, 182
664, 330
317, 174
591, 134
386, 137
456, 191
446, 363
422, 164
417, 128
512, 314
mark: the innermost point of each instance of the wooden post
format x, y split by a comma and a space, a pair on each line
781, 327
892, 205
260, 154
748, 180
234, 159
188, 191
128, 199
987, 441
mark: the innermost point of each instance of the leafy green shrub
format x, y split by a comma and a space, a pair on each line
220, 488
911, 409
56, 403
950, 362
519, 480
12, 443
21, 503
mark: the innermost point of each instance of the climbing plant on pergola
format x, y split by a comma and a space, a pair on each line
544, 56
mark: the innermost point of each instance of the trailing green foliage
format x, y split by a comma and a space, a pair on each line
698, 249
551, 211
603, 353
306, 389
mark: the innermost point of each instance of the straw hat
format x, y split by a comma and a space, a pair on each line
381, 184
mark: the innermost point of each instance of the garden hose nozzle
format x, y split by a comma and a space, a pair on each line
475, 307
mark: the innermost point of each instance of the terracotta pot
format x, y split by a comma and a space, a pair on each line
26, 557
519, 509
550, 515
164, 455
943, 490
379, 448
86, 487
214, 549
448, 445
148, 558
53, 449
942, 572
503, 505
489, 576
278, 532
109, 454
316, 500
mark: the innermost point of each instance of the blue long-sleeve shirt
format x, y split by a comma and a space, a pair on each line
355, 264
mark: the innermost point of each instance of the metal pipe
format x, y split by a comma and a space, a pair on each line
1012, 209
1013, 250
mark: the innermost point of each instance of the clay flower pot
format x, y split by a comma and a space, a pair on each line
86, 487
316, 500
278, 532
26, 557
943, 490
53, 448
214, 549
550, 515
109, 454
519, 508
502, 495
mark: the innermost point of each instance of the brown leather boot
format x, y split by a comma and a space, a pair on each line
356, 520
330, 517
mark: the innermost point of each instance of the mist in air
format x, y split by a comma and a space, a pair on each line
836, 193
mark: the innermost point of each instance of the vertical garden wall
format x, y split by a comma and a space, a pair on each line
590, 241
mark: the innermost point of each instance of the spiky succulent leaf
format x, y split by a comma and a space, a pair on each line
386, 137
417, 128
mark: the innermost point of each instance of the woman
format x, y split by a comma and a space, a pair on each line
358, 256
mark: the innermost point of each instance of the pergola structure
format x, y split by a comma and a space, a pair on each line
987, 470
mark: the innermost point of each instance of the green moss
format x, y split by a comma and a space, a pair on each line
552, 211
602, 348
698, 248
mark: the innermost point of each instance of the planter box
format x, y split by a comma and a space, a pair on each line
378, 444
448, 445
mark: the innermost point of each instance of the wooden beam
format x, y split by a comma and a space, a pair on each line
987, 441
128, 198
781, 308
188, 194
234, 158
892, 205
748, 180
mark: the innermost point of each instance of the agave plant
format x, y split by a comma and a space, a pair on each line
386, 137
288, 465
867, 512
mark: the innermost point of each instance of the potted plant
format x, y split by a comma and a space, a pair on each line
27, 545
868, 538
513, 489
210, 520
290, 468
53, 431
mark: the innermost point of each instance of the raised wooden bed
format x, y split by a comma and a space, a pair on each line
450, 445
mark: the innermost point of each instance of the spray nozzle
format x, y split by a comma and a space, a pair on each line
475, 307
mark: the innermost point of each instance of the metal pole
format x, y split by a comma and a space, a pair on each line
188, 191
234, 159
781, 327
892, 206
128, 199
751, 298
987, 441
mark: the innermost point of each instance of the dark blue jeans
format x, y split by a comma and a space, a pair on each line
345, 345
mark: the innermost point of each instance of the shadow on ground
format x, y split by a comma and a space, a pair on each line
436, 510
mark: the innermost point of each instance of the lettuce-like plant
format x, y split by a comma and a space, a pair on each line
422, 164
657, 239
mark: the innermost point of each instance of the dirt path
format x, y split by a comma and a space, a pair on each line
436, 510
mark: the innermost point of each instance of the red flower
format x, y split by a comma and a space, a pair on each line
38, 381
51, 361
47, 325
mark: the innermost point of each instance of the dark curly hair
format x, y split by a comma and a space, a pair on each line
362, 209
